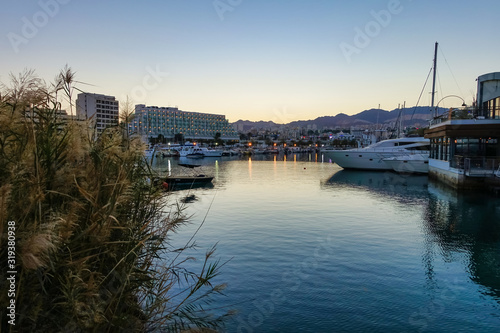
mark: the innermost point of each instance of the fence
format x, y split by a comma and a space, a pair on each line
480, 166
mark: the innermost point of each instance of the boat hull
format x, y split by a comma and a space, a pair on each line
212, 153
195, 155
363, 160
408, 164
188, 180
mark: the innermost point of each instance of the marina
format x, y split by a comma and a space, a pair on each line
315, 248
250, 166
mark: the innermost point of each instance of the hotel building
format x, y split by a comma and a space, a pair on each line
152, 121
100, 110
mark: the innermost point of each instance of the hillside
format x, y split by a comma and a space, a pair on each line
416, 116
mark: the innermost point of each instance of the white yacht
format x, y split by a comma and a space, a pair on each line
191, 151
414, 163
199, 152
207, 152
373, 156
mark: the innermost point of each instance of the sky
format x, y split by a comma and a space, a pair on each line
278, 60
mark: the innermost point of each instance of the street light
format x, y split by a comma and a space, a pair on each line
456, 96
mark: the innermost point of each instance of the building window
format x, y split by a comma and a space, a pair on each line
492, 108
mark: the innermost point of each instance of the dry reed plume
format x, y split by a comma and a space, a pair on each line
92, 234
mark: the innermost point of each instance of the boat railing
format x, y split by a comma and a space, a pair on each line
391, 153
394, 150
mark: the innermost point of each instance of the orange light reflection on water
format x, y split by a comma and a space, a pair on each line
250, 167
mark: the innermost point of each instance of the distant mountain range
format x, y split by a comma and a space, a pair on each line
415, 116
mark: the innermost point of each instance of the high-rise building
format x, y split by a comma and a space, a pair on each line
152, 121
100, 110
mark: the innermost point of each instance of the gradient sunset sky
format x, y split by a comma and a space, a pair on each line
279, 60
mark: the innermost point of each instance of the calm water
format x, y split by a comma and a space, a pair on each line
315, 248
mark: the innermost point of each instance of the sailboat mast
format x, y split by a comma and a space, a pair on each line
434, 78
402, 119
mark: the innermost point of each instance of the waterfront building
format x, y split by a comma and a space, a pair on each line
465, 147
153, 121
99, 110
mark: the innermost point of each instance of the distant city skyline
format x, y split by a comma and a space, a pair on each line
282, 60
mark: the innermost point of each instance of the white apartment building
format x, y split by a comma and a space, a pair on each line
100, 110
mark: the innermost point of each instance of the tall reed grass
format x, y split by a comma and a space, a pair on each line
92, 232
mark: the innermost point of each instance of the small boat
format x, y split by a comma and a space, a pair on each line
414, 163
271, 151
258, 151
186, 181
231, 152
167, 152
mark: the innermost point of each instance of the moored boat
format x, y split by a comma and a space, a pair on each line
207, 152
373, 156
199, 152
191, 151
186, 181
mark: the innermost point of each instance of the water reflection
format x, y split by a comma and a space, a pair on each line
467, 222
460, 229
390, 184
401, 251
457, 226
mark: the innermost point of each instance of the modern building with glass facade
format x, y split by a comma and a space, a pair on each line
153, 121
465, 143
